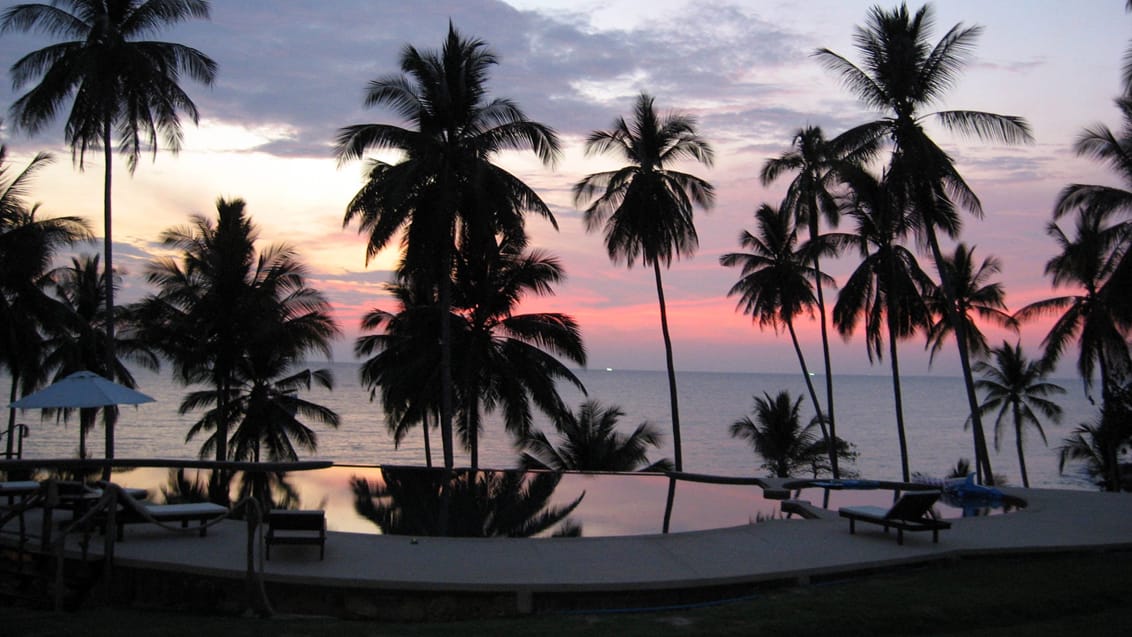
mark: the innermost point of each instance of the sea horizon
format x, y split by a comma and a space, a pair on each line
935, 409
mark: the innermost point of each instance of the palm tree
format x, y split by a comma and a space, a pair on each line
902, 75
409, 501
646, 208
1089, 262
1102, 144
78, 344
819, 164
973, 293
445, 191
1101, 443
775, 286
589, 441
777, 436
28, 245
266, 409
1105, 202
219, 303
887, 287
120, 83
1015, 384
403, 362
508, 361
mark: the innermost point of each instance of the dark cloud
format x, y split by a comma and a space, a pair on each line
305, 65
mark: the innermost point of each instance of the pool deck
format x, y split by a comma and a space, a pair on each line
782, 550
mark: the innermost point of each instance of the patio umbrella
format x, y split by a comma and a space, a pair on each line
81, 390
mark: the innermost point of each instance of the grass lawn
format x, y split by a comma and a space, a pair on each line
1088, 594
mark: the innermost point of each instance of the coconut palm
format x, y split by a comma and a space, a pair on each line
818, 163
79, 342
1102, 144
775, 286
28, 245
902, 75
887, 288
1090, 262
589, 441
1087, 262
219, 302
777, 436
410, 501
403, 362
1015, 384
1101, 444
1105, 202
645, 208
267, 412
974, 294
121, 84
510, 361
445, 191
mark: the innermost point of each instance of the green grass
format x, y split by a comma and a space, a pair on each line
1087, 594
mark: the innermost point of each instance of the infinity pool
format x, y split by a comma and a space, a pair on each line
607, 504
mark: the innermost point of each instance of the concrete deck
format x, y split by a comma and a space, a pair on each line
776, 550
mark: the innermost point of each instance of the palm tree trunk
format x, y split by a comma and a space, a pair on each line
982, 457
1109, 448
677, 451
898, 398
108, 253
830, 444
446, 355
825, 355
427, 444
9, 450
86, 423
1018, 444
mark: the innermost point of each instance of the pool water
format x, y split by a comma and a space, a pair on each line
610, 504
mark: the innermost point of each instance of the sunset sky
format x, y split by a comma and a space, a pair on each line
292, 73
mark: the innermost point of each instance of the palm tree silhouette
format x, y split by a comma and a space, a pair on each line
1097, 444
1089, 262
1104, 202
777, 436
509, 361
220, 304
645, 208
1014, 384
590, 441
120, 82
903, 74
887, 288
28, 246
446, 192
819, 164
775, 286
403, 362
973, 294
79, 342
411, 501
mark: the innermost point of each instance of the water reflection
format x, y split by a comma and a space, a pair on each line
419, 501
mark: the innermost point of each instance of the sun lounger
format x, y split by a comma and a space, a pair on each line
203, 512
296, 527
912, 512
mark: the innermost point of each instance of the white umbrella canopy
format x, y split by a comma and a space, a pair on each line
81, 390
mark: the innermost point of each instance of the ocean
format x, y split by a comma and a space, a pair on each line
935, 411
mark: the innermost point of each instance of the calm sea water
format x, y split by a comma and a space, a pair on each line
709, 402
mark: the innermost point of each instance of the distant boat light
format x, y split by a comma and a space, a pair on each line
608, 369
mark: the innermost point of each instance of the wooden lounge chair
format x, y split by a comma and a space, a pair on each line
912, 512
296, 527
203, 512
